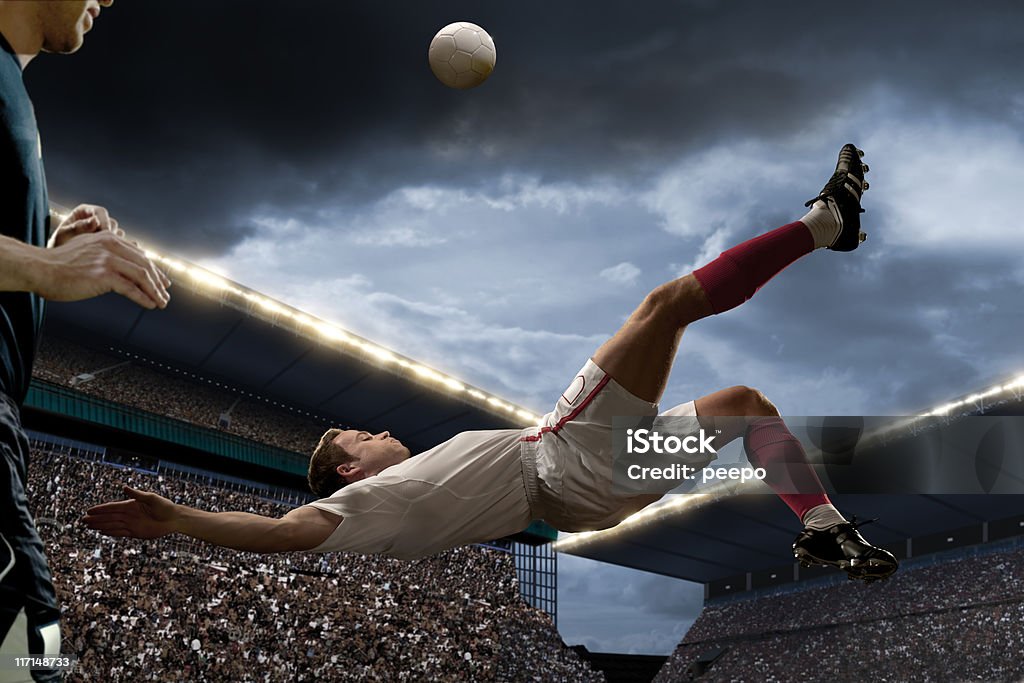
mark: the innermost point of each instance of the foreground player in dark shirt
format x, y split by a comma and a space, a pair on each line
85, 256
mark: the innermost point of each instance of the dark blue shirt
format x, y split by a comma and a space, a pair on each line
24, 215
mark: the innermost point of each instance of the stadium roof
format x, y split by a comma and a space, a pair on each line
221, 332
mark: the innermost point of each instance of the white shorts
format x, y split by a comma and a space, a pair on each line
572, 453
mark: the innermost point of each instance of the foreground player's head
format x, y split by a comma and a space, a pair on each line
33, 26
347, 455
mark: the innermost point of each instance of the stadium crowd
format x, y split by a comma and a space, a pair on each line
958, 620
178, 610
140, 385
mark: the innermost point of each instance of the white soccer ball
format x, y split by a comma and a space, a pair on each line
462, 55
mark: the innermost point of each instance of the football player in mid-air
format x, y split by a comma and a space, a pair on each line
483, 485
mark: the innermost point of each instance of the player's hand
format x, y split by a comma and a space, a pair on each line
91, 260
84, 219
143, 515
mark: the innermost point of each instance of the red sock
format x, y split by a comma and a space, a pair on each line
733, 277
771, 445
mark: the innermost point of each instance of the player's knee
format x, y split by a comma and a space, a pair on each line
680, 301
752, 402
660, 300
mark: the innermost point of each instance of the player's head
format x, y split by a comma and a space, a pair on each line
63, 25
347, 455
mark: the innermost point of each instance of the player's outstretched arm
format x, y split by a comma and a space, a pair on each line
148, 515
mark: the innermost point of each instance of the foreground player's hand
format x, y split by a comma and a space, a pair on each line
143, 515
84, 219
88, 260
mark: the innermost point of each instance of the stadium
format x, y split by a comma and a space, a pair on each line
420, 221
209, 404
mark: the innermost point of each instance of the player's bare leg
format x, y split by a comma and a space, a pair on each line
640, 355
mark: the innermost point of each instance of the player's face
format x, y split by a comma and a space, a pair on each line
373, 453
65, 22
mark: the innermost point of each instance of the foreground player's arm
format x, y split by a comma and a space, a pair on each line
147, 515
89, 256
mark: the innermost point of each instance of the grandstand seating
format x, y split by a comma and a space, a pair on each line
163, 391
957, 619
180, 610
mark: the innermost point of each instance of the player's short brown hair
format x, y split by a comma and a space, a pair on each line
323, 465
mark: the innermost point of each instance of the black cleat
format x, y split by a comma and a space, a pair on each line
842, 546
842, 195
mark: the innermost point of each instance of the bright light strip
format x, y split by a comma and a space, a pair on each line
305, 320
428, 373
671, 505
454, 385
501, 405
330, 332
946, 409
969, 402
205, 280
210, 280
380, 354
174, 265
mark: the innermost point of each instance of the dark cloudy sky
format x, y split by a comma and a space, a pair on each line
303, 148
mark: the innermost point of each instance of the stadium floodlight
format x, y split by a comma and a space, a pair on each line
249, 301
942, 410
380, 353
202, 276
974, 398
305, 320
498, 403
1012, 388
173, 264
427, 373
330, 332
454, 385
976, 402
